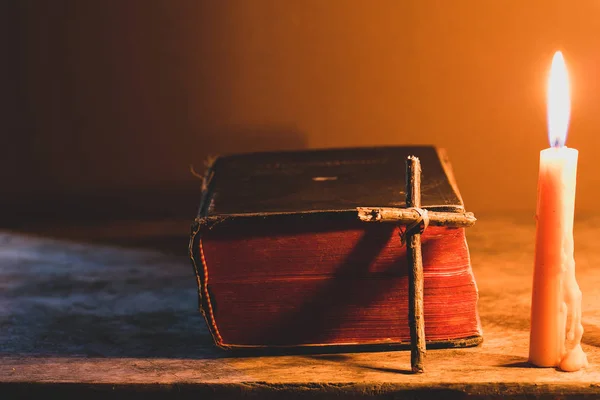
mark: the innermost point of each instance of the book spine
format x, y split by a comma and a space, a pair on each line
196, 252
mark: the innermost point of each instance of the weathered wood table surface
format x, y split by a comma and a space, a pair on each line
111, 309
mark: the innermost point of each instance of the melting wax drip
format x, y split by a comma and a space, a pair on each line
573, 358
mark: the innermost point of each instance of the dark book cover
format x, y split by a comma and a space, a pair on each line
282, 259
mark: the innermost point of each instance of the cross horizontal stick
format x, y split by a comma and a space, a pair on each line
403, 216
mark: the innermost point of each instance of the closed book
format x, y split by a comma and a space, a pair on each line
282, 258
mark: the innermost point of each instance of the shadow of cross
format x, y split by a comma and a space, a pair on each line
351, 290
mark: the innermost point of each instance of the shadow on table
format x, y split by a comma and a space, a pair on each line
517, 364
168, 236
348, 362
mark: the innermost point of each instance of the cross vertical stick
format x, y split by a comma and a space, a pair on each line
416, 320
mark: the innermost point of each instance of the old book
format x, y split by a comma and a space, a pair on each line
282, 258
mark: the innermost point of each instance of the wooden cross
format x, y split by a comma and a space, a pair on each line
413, 217
414, 255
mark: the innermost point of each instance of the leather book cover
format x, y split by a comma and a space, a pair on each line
282, 260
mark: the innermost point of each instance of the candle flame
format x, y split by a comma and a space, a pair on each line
559, 101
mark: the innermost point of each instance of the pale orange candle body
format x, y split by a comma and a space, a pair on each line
556, 295
556, 330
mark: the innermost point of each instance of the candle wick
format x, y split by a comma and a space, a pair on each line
556, 143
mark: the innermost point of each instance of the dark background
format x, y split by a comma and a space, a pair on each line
105, 104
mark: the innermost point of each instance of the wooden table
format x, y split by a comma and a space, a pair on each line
111, 309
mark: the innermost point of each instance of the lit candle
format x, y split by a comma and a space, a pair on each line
556, 298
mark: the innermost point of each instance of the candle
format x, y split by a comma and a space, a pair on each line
556, 298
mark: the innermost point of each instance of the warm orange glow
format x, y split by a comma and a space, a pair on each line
559, 101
